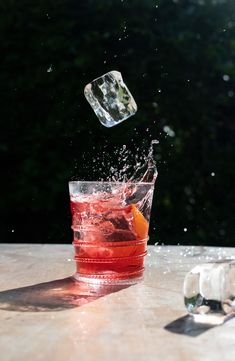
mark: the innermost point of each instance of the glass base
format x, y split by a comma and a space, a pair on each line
110, 279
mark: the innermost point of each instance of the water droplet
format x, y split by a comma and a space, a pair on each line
226, 77
12, 230
169, 131
212, 174
49, 70
185, 229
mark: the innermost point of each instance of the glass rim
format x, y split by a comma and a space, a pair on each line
112, 182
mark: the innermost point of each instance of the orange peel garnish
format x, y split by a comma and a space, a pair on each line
141, 225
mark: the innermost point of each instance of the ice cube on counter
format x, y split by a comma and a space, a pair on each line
209, 288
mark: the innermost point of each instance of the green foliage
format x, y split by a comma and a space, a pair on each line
177, 58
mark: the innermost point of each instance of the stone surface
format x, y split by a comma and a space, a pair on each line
45, 315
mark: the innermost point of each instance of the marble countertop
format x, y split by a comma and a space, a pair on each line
45, 315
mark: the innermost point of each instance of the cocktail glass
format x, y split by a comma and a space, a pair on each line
110, 222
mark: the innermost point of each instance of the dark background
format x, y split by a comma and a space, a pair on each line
177, 58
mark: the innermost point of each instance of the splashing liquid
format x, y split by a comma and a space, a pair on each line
122, 165
146, 172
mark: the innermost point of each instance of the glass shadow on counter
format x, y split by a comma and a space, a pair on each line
56, 295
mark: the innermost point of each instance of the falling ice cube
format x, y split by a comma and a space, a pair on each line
110, 99
209, 288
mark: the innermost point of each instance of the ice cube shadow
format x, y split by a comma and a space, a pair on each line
55, 295
186, 325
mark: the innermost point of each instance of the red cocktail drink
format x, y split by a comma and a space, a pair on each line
110, 226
